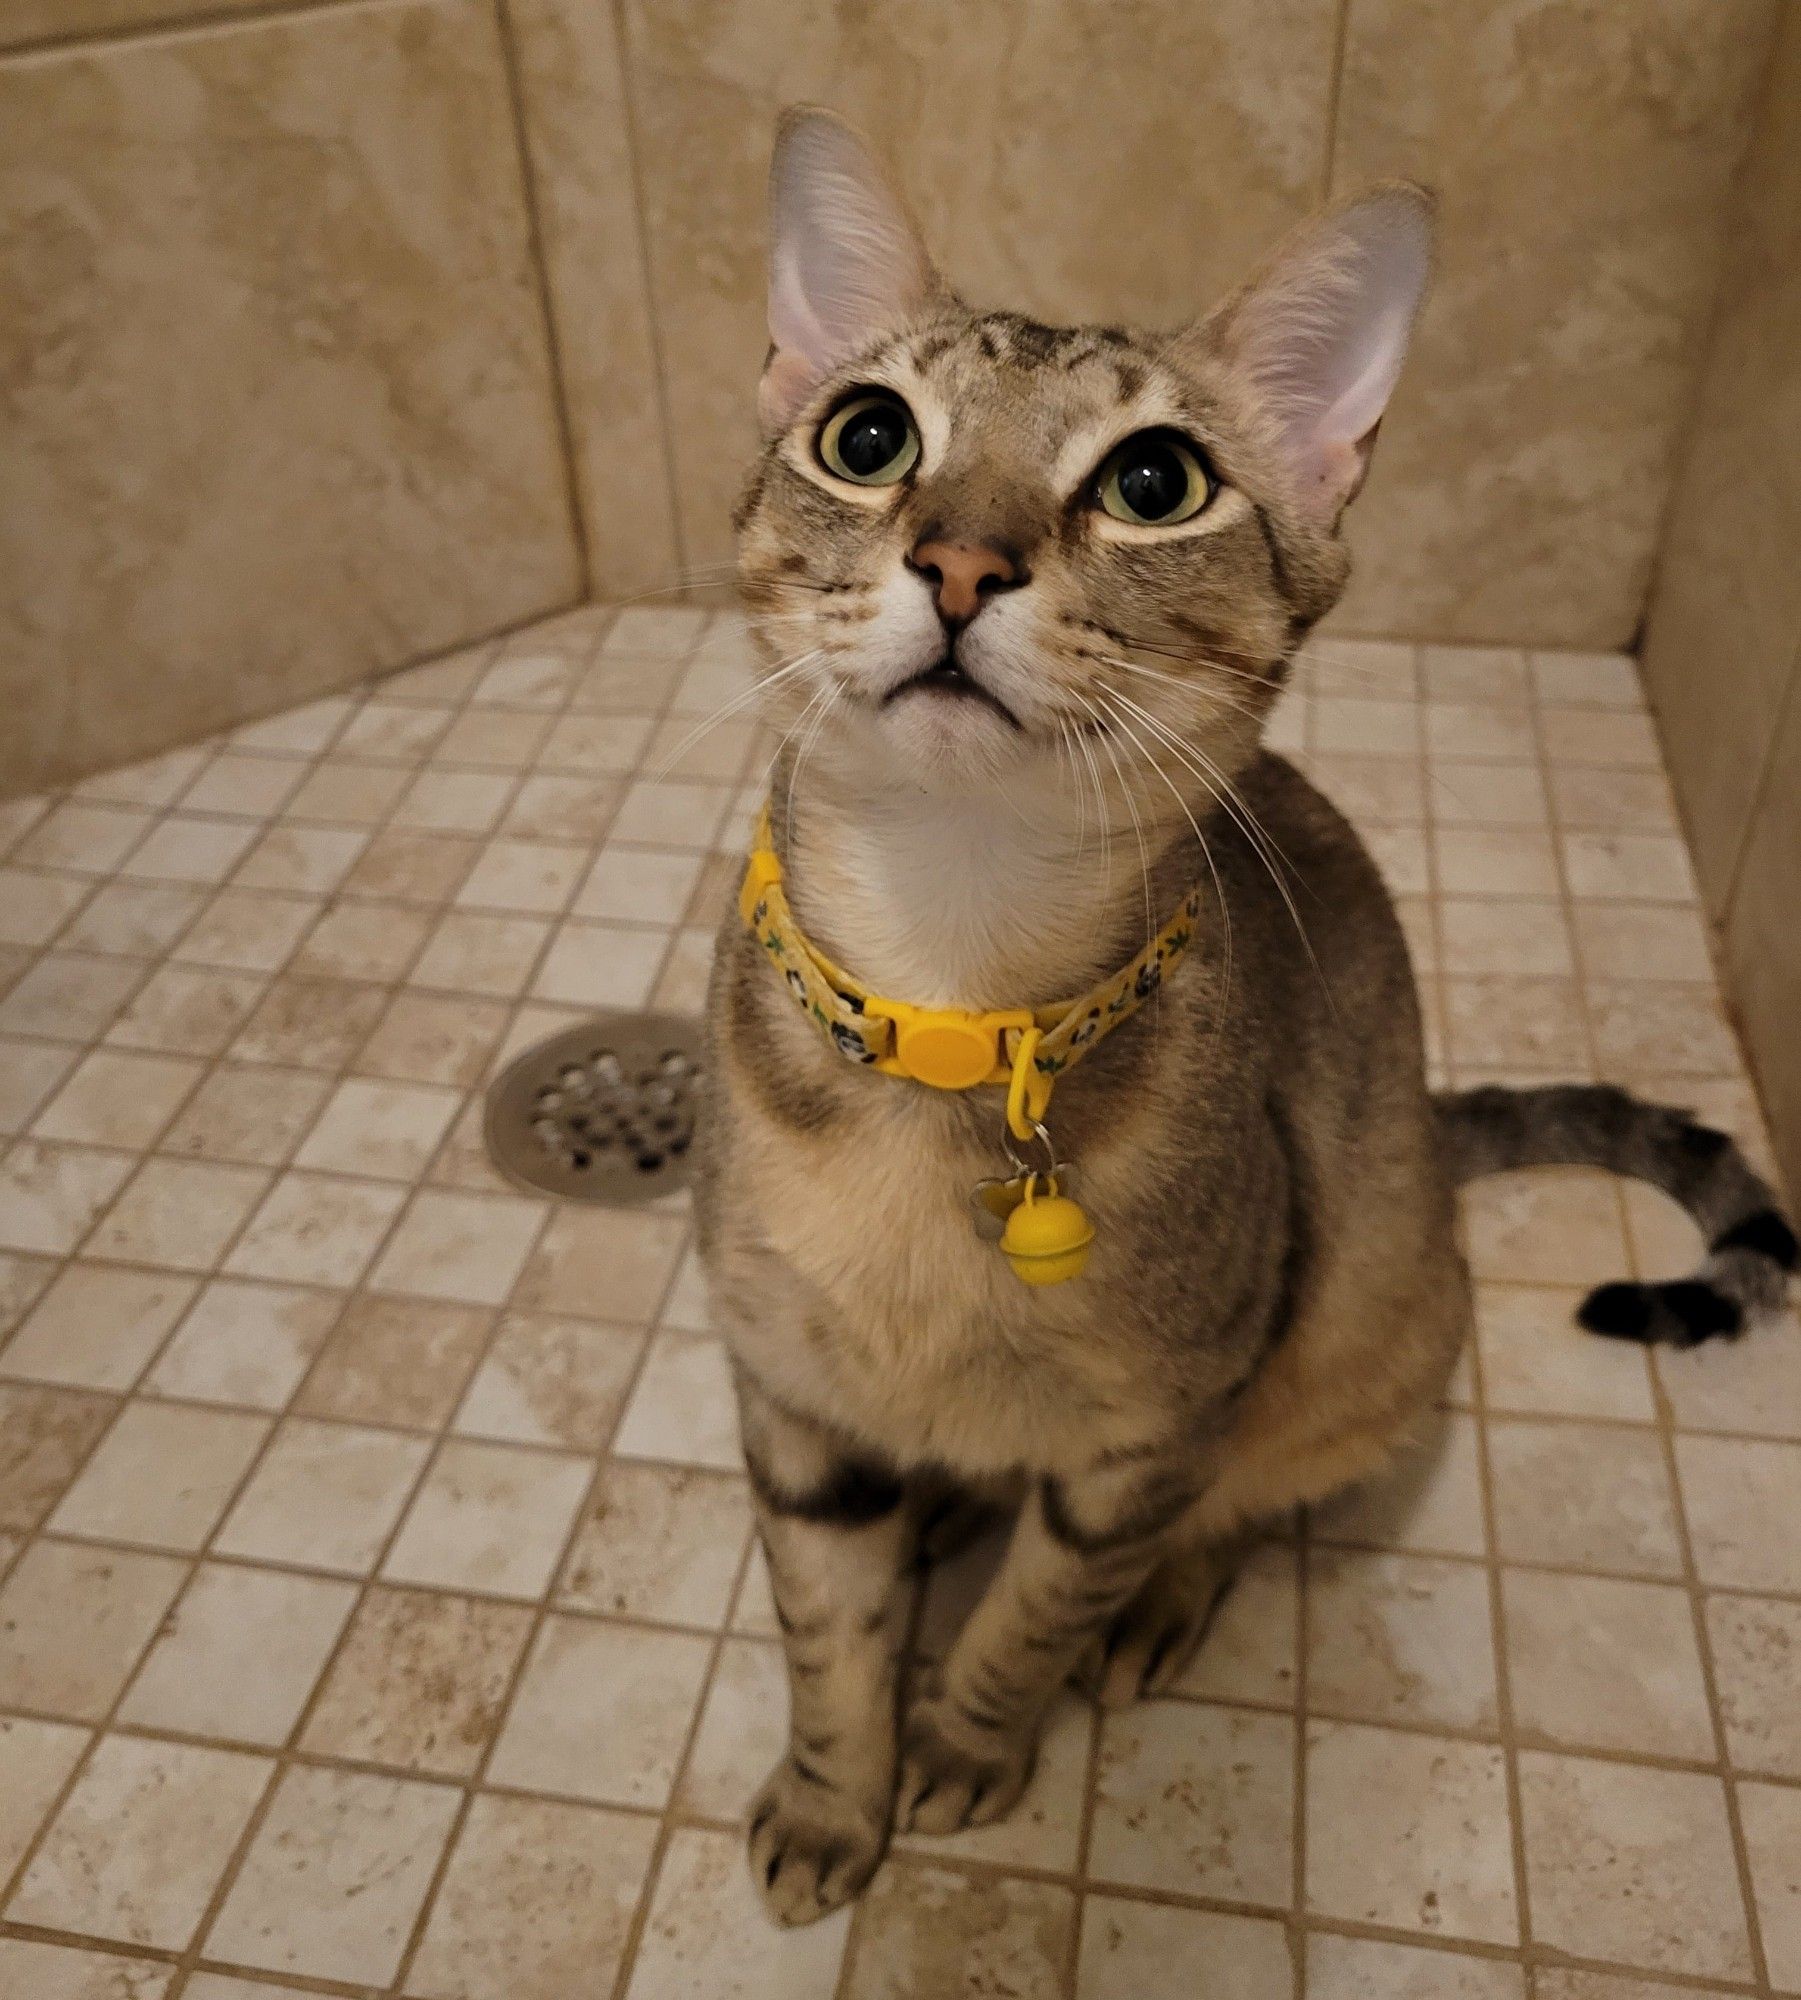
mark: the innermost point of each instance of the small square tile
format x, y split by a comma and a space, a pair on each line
324, 1497
186, 1011
1478, 730
1515, 935
1537, 1360
296, 732
315, 1230
1733, 1490
743, 1730
497, 739
1589, 680
1756, 1645
118, 1099
1156, 1953
29, 1073
374, 942
387, 1131
588, 1257
434, 1038
179, 1213
23, 1280
1411, 1832
245, 1342
34, 907
1632, 1865
59, 1972
395, 1361
927, 1930
395, 729
537, 1903
50, 1194
248, 930
247, 1115
1645, 1024
1385, 791
602, 1712
73, 1621
162, 1475
335, 1877
36, 1759
1547, 1226
1495, 861
1430, 1502
305, 860
1623, 941
420, 1682
1748, 1384
181, 849
684, 1408
242, 786
141, 1840
1586, 796
1252, 1642
659, 1542
538, 680
455, 801
439, 681
347, 792
596, 744
708, 1933
687, 974
1494, 1022
655, 632
597, 965
310, 1023
405, 865
134, 919
1342, 1968
490, 1517
153, 781
460, 1246
239, 1654
1591, 1496
95, 1327
68, 996
523, 877
1395, 1638
1772, 1818
1600, 1664
1195, 1799
85, 839
1647, 867
1364, 728
1610, 739
553, 808
1474, 673
45, 1435
473, 952
552, 1381
671, 814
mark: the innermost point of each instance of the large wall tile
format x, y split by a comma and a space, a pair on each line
1725, 616
275, 406
1584, 151
1127, 160
580, 146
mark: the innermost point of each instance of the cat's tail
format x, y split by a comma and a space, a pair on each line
1751, 1249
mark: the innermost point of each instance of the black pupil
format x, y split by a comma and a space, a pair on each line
1153, 481
872, 439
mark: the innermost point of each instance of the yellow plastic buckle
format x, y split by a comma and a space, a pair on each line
761, 873
946, 1047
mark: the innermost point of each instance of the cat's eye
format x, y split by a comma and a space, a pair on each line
871, 440
1154, 480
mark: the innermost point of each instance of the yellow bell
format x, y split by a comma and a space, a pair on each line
1047, 1237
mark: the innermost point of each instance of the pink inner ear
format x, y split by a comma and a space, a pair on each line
787, 382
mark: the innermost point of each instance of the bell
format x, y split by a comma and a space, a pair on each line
1047, 1237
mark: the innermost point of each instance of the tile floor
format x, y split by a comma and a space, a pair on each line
377, 1606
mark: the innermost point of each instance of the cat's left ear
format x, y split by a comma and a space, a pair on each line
846, 263
1319, 335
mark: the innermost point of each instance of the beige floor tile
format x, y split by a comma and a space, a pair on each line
244, 786
23, 1280
118, 1099
1519, 936
1396, 1638
655, 632
310, 1023
179, 1214
552, 1381
1495, 861
45, 1434
495, 739
1632, 1865
622, 1258
600, 965
1550, 1226
1756, 1645
141, 1840
387, 1131
539, 681
420, 1682
433, 1038
1249, 1652
1363, 726
184, 849
1410, 1832
86, 839
1590, 680
96, 1327
412, 866
60, 1972
1476, 731
248, 930
154, 781
460, 1246
523, 877
439, 681
247, 1115
335, 1876
36, 1760
1620, 798
1646, 1024
1430, 1503
239, 1655
34, 907
395, 1361
69, 996
186, 1011
1749, 1384
659, 1542
639, 885
1496, 1022
161, 1476
73, 1621
1197, 1800
1732, 1490
1608, 739
683, 1408
1155, 1953
296, 732
1591, 1496
1772, 1819
1044, 1829
393, 729
1484, 794
602, 1713
671, 814
1537, 1360
50, 1194
686, 978
476, 952
368, 941
323, 1497
345, 791
596, 745
553, 808
490, 1517
1643, 867
536, 1904
707, 1933
743, 1730
455, 801
1341, 1968
926, 1930
1600, 1664
245, 1342
312, 1229
134, 919
29, 1073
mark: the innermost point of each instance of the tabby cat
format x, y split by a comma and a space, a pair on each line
1027, 594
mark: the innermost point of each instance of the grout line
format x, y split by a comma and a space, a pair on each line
180, 24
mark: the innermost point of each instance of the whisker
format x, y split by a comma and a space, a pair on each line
1144, 858
755, 692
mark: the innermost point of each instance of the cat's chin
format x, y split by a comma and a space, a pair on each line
927, 736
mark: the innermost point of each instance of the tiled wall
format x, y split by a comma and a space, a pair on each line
336, 333
1723, 643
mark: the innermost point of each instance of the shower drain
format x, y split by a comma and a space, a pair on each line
603, 1112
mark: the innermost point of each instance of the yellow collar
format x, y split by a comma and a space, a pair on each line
950, 1048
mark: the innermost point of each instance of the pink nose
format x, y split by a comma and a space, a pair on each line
963, 575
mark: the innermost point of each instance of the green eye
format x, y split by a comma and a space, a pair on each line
1154, 480
872, 440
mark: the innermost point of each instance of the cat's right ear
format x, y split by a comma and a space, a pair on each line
846, 263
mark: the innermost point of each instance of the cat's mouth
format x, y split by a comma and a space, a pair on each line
946, 679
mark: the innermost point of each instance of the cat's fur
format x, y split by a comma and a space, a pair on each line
1274, 1296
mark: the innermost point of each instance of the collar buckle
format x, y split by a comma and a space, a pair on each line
948, 1048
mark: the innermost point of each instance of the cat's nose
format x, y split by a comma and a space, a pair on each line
964, 575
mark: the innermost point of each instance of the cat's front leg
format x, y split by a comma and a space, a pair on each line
1081, 1549
838, 1534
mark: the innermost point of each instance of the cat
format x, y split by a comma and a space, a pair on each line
1026, 594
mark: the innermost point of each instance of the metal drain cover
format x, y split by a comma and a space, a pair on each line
602, 1112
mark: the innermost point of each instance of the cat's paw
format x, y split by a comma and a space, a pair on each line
953, 1776
1150, 1642
812, 1846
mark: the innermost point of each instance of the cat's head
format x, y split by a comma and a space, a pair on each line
973, 541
